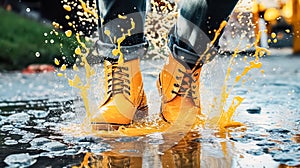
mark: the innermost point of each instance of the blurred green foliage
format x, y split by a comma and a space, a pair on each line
21, 38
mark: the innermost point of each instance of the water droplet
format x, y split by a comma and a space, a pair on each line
75, 68
67, 17
255, 152
56, 61
2, 120
68, 33
63, 67
100, 148
19, 160
54, 146
67, 7
68, 116
70, 152
11, 142
27, 137
5, 128
273, 35
37, 54
20, 118
39, 142
38, 113
77, 51
60, 74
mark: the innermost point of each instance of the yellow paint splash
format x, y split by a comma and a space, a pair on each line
55, 25
75, 68
226, 116
87, 10
259, 51
117, 51
137, 129
68, 33
224, 120
252, 65
76, 82
269, 40
205, 53
122, 17
63, 67
60, 74
67, 17
56, 62
78, 51
81, 43
67, 8
85, 162
218, 32
107, 33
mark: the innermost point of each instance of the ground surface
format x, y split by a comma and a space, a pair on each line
34, 107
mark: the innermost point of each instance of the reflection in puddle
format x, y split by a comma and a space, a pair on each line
186, 153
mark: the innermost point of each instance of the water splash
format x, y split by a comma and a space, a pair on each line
223, 119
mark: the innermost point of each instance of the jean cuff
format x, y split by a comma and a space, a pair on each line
188, 56
129, 52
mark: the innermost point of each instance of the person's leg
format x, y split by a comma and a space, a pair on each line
121, 29
109, 12
178, 82
116, 18
196, 24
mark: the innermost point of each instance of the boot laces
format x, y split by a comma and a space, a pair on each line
118, 82
187, 86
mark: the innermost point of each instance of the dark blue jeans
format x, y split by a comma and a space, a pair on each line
191, 33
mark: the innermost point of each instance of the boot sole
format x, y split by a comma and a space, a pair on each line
106, 126
139, 115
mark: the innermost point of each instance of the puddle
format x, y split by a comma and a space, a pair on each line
31, 119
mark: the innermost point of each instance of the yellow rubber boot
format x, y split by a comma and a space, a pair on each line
125, 99
178, 86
